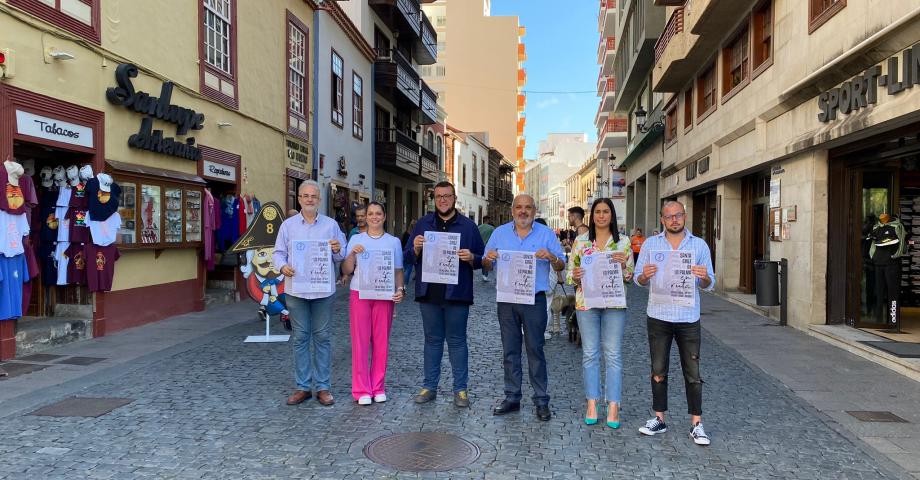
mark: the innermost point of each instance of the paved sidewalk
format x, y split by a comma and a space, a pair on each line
213, 407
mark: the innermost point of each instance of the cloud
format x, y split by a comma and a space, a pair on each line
549, 102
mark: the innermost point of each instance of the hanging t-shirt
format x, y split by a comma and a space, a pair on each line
103, 233
76, 266
62, 206
78, 196
386, 242
14, 199
47, 218
63, 199
62, 261
17, 199
102, 204
100, 271
13, 273
48, 263
79, 230
12, 229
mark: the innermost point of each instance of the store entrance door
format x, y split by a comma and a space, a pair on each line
704, 219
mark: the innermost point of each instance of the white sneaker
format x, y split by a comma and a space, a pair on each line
699, 435
365, 400
380, 398
547, 335
653, 427
485, 278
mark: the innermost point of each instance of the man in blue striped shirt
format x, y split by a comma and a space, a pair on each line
672, 321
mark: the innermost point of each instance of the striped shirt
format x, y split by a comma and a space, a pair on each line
701, 256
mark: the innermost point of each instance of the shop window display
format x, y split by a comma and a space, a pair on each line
150, 213
192, 216
127, 234
173, 227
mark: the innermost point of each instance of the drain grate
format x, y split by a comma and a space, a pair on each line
17, 369
83, 361
871, 416
422, 451
41, 357
82, 407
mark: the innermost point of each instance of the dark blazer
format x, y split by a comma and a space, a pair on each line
469, 239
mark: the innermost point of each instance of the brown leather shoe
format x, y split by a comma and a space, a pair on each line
325, 398
299, 396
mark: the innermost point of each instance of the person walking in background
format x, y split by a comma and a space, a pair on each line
601, 328
554, 279
445, 308
667, 323
405, 239
636, 241
370, 320
360, 221
309, 312
485, 231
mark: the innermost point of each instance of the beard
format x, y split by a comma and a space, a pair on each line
675, 229
446, 213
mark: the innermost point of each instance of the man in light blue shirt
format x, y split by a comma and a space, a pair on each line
309, 312
675, 322
523, 235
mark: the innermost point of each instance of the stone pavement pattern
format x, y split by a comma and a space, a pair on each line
217, 411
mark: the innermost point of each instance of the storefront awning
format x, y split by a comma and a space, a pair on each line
130, 168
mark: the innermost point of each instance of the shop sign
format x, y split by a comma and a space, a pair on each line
160, 108
862, 90
53, 129
298, 154
218, 171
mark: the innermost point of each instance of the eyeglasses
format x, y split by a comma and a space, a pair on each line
676, 216
444, 197
315, 197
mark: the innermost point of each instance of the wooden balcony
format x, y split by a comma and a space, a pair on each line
398, 153
428, 105
675, 26
397, 80
426, 50
399, 15
429, 167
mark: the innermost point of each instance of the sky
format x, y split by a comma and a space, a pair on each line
561, 48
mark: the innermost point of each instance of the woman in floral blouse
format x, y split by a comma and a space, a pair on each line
601, 328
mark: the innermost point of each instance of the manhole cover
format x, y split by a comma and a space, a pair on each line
41, 357
870, 416
17, 369
422, 451
82, 407
81, 361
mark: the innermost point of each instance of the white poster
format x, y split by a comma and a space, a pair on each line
602, 283
376, 275
312, 264
516, 277
440, 258
673, 283
774, 193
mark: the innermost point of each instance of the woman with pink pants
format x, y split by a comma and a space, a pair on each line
371, 319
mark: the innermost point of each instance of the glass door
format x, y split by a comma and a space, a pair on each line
874, 197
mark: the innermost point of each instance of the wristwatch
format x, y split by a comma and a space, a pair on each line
402, 290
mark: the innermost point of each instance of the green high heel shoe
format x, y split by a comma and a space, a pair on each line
592, 421
614, 425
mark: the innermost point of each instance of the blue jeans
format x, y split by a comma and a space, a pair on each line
445, 322
407, 273
512, 318
602, 329
310, 322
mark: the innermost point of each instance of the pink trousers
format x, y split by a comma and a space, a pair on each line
370, 336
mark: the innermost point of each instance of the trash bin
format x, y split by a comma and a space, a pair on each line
766, 280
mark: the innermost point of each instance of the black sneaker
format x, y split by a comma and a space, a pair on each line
425, 396
653, 427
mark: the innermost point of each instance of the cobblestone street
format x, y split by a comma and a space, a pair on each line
217, 411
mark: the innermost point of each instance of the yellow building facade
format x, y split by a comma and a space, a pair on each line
220, 100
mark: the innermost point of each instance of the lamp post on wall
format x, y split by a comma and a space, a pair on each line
641, 118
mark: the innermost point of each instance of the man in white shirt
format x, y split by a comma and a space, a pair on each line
310, 312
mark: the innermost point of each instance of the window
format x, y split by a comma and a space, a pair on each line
820, 11
429, 141
158, 213
475, 176
482, 177
425, 70
736, 62
80, 17
440, 21
297, 77
338, 100
218, 51
688, 109
706, 95
762, 25
440, 71
670, 124
438, 147
357, 100
464, 175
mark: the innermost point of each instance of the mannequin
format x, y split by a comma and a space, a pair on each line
888, 245
14, 198
47, 177
59, 175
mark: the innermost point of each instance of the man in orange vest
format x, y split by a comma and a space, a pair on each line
637, 239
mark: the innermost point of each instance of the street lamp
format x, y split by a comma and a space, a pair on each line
641, 115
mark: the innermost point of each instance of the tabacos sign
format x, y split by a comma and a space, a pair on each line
862, 90
161, 108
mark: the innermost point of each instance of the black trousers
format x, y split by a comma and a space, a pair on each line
687, 336
887, 286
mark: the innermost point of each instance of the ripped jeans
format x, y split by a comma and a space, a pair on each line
687, 336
